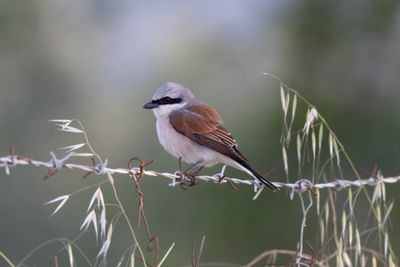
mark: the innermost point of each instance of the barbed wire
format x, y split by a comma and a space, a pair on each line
55, 164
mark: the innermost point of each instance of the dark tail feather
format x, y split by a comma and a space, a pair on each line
257, 175
263, 180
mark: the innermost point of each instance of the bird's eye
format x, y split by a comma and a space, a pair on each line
167, 99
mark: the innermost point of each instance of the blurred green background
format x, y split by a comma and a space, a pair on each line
100, 61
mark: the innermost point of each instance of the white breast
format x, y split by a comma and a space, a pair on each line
180, 146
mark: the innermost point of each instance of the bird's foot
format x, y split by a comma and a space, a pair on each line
185, 179
192, 180
181, 180
192, 176
188, 175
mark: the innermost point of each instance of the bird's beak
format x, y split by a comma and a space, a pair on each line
150, 105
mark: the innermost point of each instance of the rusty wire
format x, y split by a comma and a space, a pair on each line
55, 164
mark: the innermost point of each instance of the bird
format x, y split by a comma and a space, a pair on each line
192, 131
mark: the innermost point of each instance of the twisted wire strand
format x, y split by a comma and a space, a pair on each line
55, 164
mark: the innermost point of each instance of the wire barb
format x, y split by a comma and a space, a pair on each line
300, 186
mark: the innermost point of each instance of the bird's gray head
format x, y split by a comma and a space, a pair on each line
168, 98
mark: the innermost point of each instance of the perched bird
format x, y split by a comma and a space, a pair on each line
191, 130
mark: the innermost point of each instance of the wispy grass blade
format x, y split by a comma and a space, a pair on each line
64, 126
166, 255
91, 218
298, 142
313, 144
70, 255
75, 154
97, 196
294, 107
106, 244
103, 223
336, 148
68, 129
72, 147
285, 161
388, 211
283, 100
330, 145
320, 137
62, 199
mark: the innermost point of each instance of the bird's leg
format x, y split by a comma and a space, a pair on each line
183, 174
192, 176
181, 178
192, 166
180, 169
191, 173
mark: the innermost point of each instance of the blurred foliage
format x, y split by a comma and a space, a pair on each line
99, 61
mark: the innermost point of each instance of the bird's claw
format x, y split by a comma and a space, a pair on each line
184, 177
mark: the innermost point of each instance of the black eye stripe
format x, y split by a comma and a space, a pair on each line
167, 101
